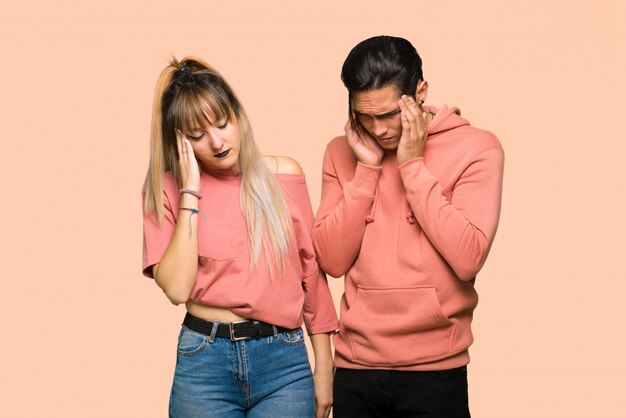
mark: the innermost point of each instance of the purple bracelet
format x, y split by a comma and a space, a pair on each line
191, 192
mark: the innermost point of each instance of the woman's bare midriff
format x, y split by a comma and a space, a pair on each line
212, 313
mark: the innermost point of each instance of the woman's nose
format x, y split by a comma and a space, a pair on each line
216, 142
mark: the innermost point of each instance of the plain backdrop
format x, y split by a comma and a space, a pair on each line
84, 334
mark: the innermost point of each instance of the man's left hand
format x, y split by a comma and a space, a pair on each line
413, 130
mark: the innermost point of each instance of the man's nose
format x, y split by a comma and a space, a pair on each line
380, 128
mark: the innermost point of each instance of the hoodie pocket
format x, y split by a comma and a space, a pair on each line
397, 326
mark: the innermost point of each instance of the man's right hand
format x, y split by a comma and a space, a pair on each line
365, 148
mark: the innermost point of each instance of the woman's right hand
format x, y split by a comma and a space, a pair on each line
365, 148
187, 163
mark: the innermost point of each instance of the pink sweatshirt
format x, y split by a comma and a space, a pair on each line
410, 241
223, 278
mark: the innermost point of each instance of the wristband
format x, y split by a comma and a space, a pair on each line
193, 212
191, 192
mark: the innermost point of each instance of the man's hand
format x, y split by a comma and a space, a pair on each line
365, 147
413, 137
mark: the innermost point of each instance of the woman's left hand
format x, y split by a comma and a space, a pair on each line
413, 130
323, 380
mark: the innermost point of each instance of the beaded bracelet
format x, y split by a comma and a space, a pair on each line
191, 192
193, 212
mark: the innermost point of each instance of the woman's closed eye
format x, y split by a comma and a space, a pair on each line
195, 137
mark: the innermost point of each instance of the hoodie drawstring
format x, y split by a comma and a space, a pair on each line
370, 218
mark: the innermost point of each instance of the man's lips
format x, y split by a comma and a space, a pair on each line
222, 154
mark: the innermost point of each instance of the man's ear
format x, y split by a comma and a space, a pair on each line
421, 92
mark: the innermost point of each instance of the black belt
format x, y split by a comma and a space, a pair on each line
234, 331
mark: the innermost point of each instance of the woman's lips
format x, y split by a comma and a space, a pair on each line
222, 154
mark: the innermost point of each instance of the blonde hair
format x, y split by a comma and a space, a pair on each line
187, 93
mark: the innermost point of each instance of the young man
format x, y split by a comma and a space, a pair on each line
410, 206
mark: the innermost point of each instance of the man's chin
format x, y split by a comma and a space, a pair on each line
389, 145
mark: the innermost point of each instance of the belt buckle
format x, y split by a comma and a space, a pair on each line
232, 331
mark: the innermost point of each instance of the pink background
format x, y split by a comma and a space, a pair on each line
85, 335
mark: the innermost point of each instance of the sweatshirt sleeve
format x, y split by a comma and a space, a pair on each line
319, 310
341, 218
461, 229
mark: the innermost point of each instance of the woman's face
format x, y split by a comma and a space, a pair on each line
216, 145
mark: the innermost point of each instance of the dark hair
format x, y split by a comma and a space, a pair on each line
381, 61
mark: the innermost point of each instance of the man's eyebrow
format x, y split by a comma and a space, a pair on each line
380, 115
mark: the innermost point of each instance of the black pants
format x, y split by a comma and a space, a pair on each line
397, 394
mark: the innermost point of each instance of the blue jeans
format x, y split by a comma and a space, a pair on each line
256, 378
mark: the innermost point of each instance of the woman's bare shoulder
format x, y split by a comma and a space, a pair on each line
282, 165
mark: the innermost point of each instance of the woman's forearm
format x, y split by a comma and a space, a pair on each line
176, 272
321, 350
323, 374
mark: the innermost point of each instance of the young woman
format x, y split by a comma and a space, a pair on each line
227, 232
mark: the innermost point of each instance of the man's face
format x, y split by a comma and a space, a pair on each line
378, 112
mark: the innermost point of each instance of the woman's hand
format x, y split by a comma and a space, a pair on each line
323, 381
365, 148
414, 130
323, 375
187, 163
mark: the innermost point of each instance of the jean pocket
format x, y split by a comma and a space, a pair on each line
396, 326
190, 342
295, 337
